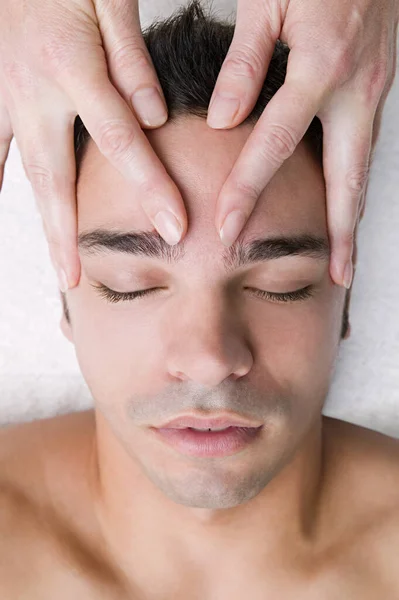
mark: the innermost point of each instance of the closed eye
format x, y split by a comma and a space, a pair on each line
294, 296
113, 296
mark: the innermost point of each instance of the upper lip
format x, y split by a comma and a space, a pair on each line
207, 422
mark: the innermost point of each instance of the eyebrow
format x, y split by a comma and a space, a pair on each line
152, 245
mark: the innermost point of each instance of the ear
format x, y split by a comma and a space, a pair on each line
66, 329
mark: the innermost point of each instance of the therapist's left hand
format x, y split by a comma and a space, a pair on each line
341, 67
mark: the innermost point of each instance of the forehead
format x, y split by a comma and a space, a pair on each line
199, 160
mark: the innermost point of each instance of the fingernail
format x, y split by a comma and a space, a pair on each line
168, 226
62, 280
222, 110
149, 107
232, 226
348, 274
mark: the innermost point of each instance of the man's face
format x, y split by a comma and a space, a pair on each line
205, 339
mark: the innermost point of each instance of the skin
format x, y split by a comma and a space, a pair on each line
287, 515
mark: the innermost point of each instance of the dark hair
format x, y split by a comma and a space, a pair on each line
187, 50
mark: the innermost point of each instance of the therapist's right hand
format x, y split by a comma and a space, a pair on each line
60, 58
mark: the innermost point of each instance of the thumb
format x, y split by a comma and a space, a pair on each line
129, 63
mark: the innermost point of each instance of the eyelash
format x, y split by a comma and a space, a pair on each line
114, 297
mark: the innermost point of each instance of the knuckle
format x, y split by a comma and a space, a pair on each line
279, 144
149, 189
342, 63
357, 177
377, 80
243, 63
347, 239
49, 184
18, 75
55, 55
248, 189
116, 138
41, 178
128, 56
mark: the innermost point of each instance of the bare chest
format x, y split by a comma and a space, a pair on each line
41, 559
46, 573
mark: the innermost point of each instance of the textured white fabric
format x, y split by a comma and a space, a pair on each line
39, 374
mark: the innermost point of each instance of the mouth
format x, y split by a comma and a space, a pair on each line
208, 442
215, 423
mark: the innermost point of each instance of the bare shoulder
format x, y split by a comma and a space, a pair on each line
358, 447
363, 492
29, 451
39, 461
364, 460
41, 494
21, 474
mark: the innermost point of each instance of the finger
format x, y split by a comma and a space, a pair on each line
47, 151
244, 69
274, 138
347, 138
380, 108
130, 66
121, 140
6, 135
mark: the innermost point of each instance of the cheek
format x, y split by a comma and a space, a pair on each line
116, 347
300, 345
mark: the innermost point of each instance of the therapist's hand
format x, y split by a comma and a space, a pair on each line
341, 66
60, 58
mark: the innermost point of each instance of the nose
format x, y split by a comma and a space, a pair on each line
206, 344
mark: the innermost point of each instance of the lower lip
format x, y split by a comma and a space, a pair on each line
209, 443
